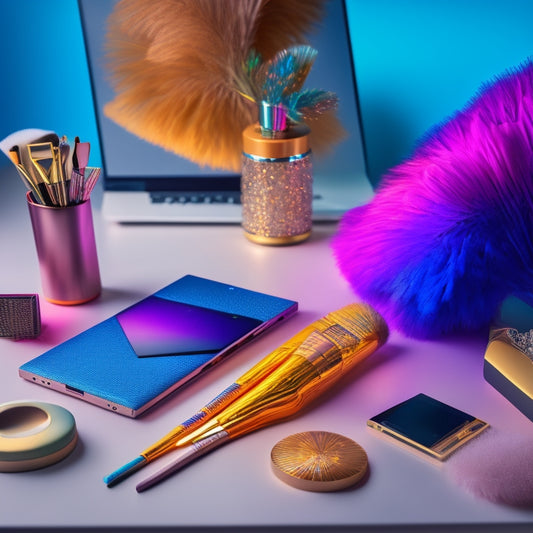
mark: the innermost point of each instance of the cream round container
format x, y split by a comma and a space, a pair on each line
34, 435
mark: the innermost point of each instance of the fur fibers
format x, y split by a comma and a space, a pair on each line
173, 65
449, 232
496, 466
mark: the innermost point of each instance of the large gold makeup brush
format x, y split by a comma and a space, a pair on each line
315, 364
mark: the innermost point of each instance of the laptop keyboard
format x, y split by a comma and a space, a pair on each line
219, 197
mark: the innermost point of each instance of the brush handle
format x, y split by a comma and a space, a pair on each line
185, 456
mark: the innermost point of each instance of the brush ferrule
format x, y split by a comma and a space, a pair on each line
210, 427
272, 118
322, 352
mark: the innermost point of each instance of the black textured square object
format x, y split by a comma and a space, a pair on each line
20, 317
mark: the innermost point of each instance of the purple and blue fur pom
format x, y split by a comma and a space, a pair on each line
449, 232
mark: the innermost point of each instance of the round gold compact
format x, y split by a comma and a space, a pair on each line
319, 461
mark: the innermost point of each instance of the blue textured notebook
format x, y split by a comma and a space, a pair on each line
134, 359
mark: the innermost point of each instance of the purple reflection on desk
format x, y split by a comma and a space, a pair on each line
156, 326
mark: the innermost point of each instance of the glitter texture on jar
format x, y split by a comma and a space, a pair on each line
277, 186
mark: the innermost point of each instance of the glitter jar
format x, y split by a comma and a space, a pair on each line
276, 185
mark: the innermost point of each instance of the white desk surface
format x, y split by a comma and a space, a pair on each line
234, 486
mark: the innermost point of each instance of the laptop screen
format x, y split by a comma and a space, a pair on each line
133, 164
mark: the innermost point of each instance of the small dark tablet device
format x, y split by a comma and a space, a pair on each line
428, 425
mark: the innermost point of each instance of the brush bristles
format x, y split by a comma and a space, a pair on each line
362, 321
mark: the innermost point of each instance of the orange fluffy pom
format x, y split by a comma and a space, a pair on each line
173, 65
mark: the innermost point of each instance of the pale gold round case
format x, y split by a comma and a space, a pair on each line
34, 435
319, 461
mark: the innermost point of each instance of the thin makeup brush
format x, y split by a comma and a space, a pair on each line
82, 156
66, 166
36, 192
14, 155
25, 157
356, 331
41, 159
14, 146
74, 175
92, 175
80, 159
58, 178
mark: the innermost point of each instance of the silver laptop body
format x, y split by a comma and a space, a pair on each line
144, 183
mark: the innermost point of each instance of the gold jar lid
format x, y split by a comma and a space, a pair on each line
293, 142
319, 461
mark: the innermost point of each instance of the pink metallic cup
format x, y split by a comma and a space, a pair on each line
66, 249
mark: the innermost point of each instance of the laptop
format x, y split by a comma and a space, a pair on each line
145, 183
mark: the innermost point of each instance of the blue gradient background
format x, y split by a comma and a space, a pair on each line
45, 79
416, 61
